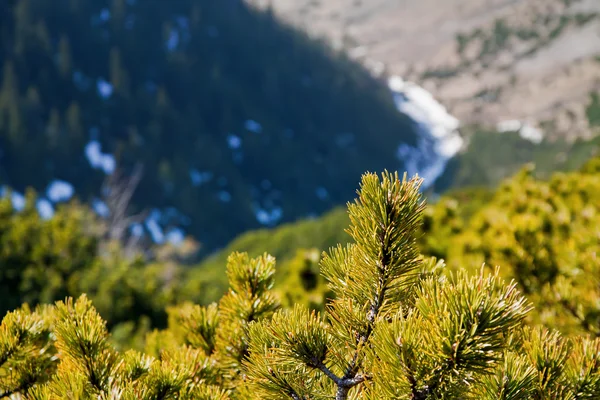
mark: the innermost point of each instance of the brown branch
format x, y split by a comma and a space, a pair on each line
329, 373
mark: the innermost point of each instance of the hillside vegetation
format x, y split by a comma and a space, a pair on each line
542, 232
238, 120
492, 156
398, 324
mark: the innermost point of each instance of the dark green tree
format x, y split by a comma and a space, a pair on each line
65, 57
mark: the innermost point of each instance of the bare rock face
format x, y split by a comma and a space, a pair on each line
487, 61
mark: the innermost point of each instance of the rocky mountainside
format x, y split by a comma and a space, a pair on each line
490, 62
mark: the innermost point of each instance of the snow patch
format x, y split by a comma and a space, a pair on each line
511, 125
172, 40
104, 15
175, 237
532, 134
439, 139
224, 196
234, 141
377, 68
155, 230
100, 208
358, 52
18, 201
269, 217
45, 208
322, 193
59, 191
253, 126
198, 178
525, 130
99, 160
105, 88
136, 230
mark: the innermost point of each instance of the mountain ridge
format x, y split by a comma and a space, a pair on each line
474, 56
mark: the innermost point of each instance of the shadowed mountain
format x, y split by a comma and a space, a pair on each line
238, 120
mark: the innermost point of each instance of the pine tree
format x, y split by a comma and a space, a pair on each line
65, 63
118, 11
399, 327
10, 86
53, 128
10, 113
43, 37
199, 357
544, 235
23, 24
118, 75
74, 124
26, 350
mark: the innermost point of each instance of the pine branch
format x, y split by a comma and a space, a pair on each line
329, 373
384, 223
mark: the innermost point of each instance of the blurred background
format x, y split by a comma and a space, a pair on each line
141, 141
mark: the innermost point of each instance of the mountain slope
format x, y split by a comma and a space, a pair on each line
486, 60
239, 121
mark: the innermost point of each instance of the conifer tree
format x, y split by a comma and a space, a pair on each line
399, 327
545, 235
65, 65
53, 128
26, 350
199, 357
118, 75
220, 331
118, 10
9, 103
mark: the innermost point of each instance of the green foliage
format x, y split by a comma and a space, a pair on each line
536, 33
399, 327
457, 342
544, 235
290, 244
593, 110
42, 261
86, 366
372, 336
302, 282
248, 300
26, 350
202, 350
493, 157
